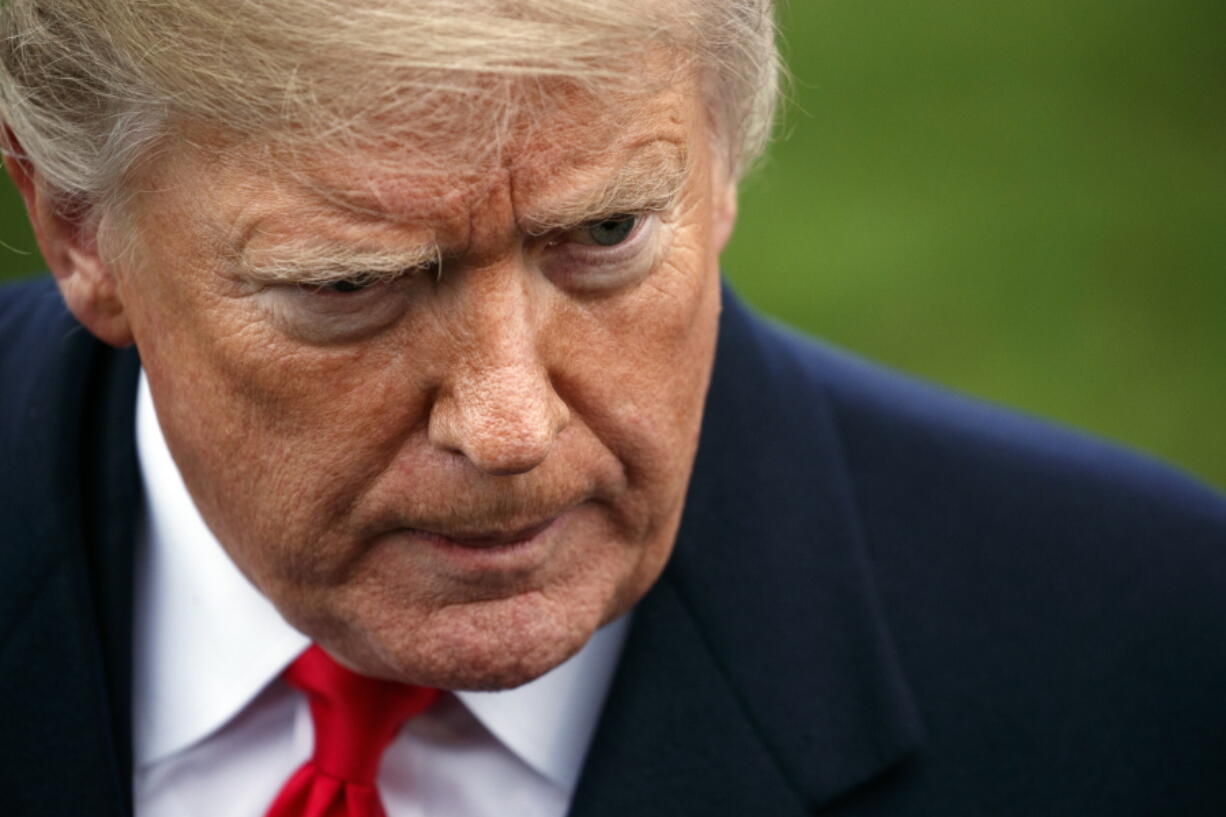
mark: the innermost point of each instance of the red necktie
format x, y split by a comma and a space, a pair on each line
355, 719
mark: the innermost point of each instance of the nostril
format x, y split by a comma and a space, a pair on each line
510, 459
501, 428
505, 445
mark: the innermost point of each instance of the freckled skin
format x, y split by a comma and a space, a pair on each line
494, 398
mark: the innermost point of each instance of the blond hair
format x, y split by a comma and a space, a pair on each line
91, 88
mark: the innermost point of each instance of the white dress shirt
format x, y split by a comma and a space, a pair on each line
217, 732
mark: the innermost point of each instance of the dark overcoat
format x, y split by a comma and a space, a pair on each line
884, 600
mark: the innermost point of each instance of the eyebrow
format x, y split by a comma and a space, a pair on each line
649, 182
322, 261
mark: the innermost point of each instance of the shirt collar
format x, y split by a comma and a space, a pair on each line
207, 642
549, 722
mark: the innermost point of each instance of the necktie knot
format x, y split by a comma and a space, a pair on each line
355, 718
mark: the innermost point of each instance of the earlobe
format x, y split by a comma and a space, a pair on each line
68, 241
90, 291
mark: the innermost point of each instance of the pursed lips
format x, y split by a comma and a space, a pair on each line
488, 538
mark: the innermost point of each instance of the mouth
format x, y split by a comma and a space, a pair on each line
488, 539
497, 555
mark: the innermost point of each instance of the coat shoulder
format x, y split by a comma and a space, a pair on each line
34, 322
928, 448
1057, 602
26, 305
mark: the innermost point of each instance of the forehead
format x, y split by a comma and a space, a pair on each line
579, 159
540, 158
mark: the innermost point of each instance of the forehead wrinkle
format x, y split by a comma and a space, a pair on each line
491, 215
426, 216
299, 240
314, 231
395, 198
648, 180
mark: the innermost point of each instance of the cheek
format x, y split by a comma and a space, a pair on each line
641, 364
276, 441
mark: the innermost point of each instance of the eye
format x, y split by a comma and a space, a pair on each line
346, 286
607, 232
605, 254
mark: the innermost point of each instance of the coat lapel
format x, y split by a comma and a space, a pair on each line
674, 739
759, 677
71, 491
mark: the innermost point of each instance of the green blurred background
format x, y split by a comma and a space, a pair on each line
1022, 200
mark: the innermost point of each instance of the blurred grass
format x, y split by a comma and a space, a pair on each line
1024, 201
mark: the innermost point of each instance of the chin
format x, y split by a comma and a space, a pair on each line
486, 645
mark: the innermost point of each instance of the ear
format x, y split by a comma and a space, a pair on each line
69, 244
723, 199
723, 211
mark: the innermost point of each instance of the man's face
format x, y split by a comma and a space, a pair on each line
449, 478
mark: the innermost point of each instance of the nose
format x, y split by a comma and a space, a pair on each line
497, 406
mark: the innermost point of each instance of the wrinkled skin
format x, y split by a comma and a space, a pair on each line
444, 479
